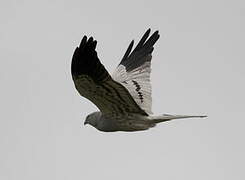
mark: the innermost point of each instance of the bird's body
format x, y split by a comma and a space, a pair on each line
120, 122
128, 122
124, 98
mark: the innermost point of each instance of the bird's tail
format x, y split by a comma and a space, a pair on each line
168, 117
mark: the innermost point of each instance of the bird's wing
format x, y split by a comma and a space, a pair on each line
134, 70
92, 81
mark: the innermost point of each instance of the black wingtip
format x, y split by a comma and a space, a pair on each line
86, 62
148, 30
156, 33
152, 40
128, 50
83, 42
142, 40
94, 43
134, 59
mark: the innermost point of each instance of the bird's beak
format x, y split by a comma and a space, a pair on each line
85, 122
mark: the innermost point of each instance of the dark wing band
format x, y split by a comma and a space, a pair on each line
94, 82
141, 53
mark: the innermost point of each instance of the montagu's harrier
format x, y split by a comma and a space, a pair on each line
123, 98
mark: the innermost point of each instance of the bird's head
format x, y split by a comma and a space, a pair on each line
93, 119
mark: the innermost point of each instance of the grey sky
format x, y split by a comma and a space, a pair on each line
198, 68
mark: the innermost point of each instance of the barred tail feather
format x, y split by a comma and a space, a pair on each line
168, 117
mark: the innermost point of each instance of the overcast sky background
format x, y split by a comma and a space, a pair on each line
198, 68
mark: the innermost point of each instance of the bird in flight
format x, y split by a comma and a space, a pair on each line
123, 98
